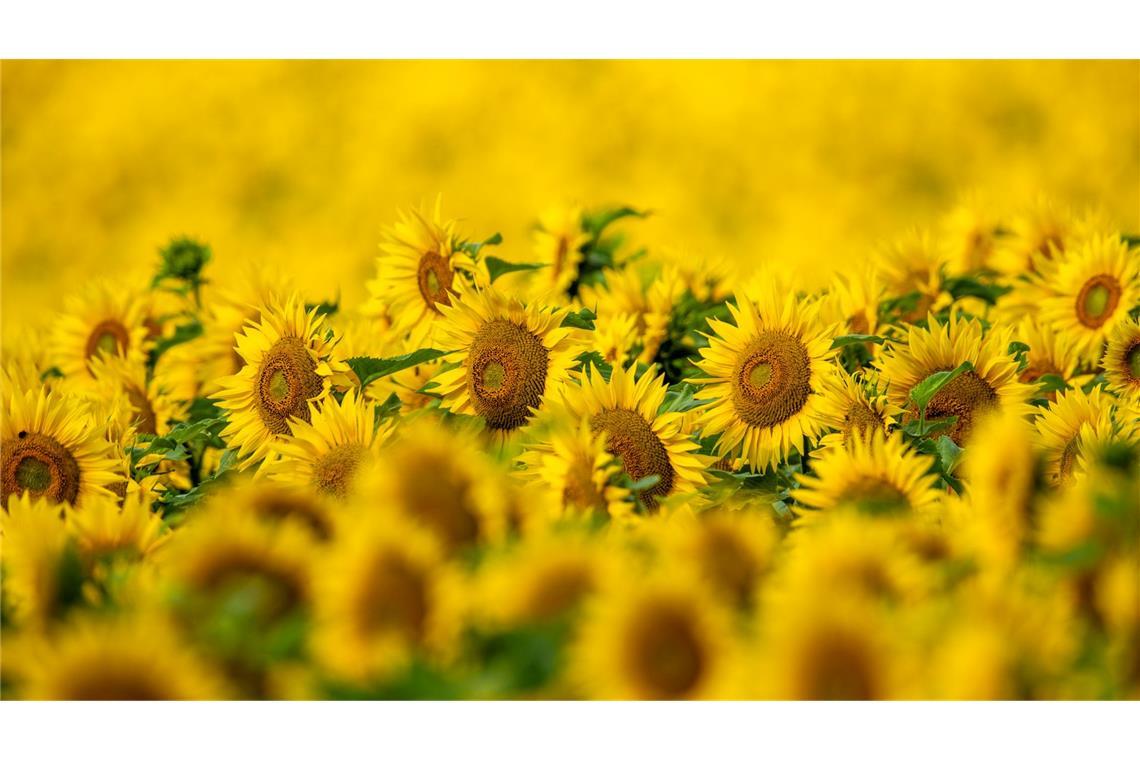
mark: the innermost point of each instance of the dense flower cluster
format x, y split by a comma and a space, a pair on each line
592, 473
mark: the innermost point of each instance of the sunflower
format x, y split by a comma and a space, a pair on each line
659, 637
52, 448
41, 567
624, 409
273, 502
1059, 427
647, 295
558, 243
1040, 232
614, 337
969, 237
512, 357
442, 480
876, 473
829, 647
141, 404
912, 267
576, 471
129, 531
990, 385
382, 594
848, 407
1121, 362
133, 657
325, 451
764, 376
853, 301
1050, 352
104, 319
289, 362
1094, 288
420, 266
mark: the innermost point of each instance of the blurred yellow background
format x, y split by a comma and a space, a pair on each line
299, 164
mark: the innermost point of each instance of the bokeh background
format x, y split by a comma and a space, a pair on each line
298, 165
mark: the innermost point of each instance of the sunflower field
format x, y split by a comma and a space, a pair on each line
575, 460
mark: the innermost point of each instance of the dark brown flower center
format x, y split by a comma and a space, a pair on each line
332, 473
860, 420
506, 373
287, 381
439, 497
435, 278
40, 465
145, 419
772, 380
642, 454
395, 599
964, 397
665, 653
1097, 300
838, 668
108, 337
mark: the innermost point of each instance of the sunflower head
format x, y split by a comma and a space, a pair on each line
558, 242
1121, 361
853, 408
104, 320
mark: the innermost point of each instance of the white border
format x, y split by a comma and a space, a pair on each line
570, 28
575, 731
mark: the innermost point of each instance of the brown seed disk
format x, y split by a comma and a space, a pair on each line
435, 277
839, 669
506, 374
144, 415
771, 382
1098, 300
109, 336
861, 419
1132, 361
333, 472
439, 497
963, 397
665, 653
287, 381
42, 466
395, 599
642, 454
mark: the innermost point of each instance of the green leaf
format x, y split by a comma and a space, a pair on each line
498, 267
474, 248
680, 398
1017, 347
1052, 383
644, 484
921, 394
369, 368
856, 339
324, 307
923, 427
583, 319
949, 453
597, 361
963, 287
1132, 241
596, 223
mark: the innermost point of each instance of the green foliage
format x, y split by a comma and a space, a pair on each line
856, 339
497, 267
922, 394
583, 319
965, 287
182, 261
369, 368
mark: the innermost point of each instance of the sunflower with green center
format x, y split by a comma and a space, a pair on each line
625, 410
576, 471
765, 374
558, 243
52, 448
660, 637
850, 408
289, 361
992, 384
1059, 428
383, 593
876, 473
130, 657
421, 264
1121, 362
1093, 289
103, 319
325, 451
512, 358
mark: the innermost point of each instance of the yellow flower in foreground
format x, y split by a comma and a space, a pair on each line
52, 448
512, 357
289, 362
326, 451
1121, 361
765, 377
992, 383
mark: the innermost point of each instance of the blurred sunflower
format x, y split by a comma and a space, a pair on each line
1121, 362
764, 376
382, 593
992, 383
655, 638
628, 292
876, 473
141, 404
420, 266
53, 449
853, 300
625, 410
557, 243
1041, 232
128, 658
911, 268
441, 479
1059, 427
41, 576
325, 451
104, 528
274, 502
848, 408
969, 236
614, 337
576, 471
289, 362
1094, 287
1050, 353
104, 319
512, 357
